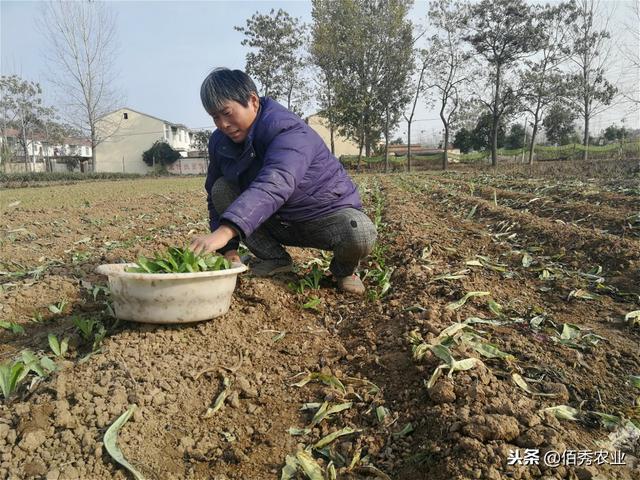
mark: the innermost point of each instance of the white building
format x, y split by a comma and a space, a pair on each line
129, 133
40, 151
342, 145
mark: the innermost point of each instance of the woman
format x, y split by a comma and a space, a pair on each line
272, 181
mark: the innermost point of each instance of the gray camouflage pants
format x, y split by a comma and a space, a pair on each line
349, 233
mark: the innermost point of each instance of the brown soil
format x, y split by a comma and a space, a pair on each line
615, 192
464, 427
619, 219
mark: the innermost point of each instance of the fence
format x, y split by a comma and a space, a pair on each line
189, 166
22, 167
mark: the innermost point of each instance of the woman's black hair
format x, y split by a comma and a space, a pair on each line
222, 85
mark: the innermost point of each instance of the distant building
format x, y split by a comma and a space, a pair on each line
41, 152
343, 146
129, 133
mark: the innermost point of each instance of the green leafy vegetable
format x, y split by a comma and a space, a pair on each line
13, 326
59, 348
495, 307
11, 374
581, 294
381, 413
111, 443
563, 412
608, 421
309, 466
217, 404
85, 326
520, 382
406, 430
42, 366
313, 303
323, 442
451, 276
327, 379
456, 305
325, 411
58, 308
490, 351
180, 260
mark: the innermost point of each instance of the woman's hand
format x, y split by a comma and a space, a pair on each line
213, 241
232, 256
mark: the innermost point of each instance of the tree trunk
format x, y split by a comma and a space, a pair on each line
367, 145
359, 156
533, 138
26, 157
333, 146
494, 144
409, 146
94, 142
289, 93
585, 154
360, 143
330, 118
445, 159
496, 119
386, 141
587, 110
25, 146
445, 155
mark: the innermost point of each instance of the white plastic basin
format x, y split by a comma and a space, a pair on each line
170, 297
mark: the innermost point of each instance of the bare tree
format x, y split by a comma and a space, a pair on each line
631, 52
419, 88
541, 80
421, 61
82, 54
591, 93
397, 45
449, 62
325, 96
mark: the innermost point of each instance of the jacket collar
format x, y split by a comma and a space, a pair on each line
249, 140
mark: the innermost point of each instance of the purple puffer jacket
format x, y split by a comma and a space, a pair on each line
283, 167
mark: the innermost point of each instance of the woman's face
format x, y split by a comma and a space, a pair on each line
235, 120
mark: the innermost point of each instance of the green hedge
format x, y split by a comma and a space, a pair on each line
352, 160
471, 157
35, 177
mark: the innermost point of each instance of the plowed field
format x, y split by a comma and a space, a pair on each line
515, 291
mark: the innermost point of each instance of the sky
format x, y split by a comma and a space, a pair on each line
166, 48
